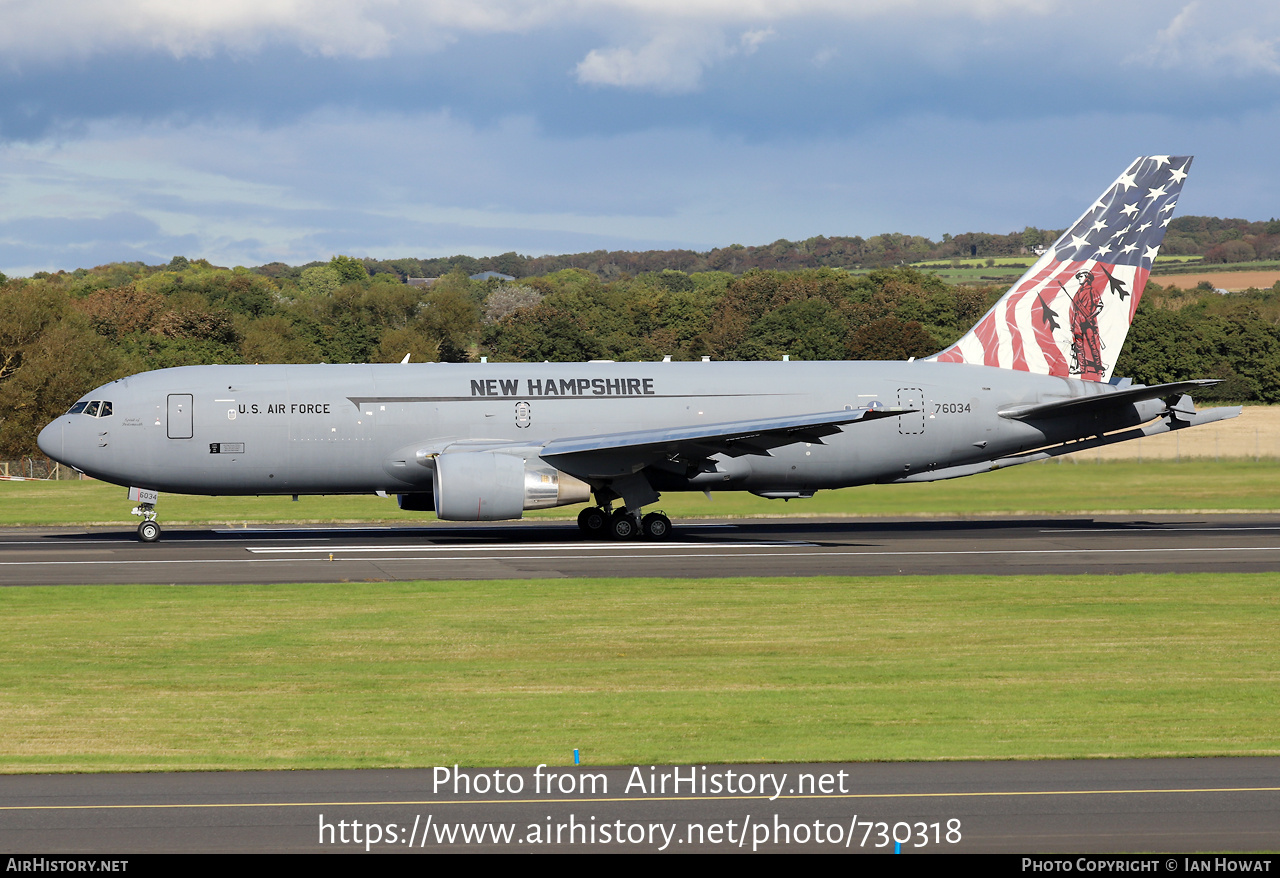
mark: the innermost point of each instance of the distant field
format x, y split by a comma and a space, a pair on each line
361, 675
979, 262
1232, 281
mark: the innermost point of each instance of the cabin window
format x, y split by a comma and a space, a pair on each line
105, 410
92, 410
77, 408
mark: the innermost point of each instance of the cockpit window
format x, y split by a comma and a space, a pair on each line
97, 408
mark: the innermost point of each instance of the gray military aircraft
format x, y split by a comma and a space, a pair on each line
485, 442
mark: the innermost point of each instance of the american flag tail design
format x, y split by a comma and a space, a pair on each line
1070, 313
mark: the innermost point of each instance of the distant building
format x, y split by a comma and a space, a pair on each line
491, 275
422, 281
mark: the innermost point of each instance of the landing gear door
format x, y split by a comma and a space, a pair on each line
180, 416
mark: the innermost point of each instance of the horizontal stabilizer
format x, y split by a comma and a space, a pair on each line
1083, 405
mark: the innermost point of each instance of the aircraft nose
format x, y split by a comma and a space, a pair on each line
50, 440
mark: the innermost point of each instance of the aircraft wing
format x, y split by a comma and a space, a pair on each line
608, 454
1082, 405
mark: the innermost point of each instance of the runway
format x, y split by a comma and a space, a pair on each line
765, 547
1082, 806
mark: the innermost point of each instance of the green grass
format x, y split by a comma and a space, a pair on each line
1023, 262
1205, 267
974, 270
637, 671
1060, 488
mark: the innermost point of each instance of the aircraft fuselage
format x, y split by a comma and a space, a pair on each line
332, 429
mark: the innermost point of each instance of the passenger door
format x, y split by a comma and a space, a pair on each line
180, 416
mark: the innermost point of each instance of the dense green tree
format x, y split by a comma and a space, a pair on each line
804, 329
543, 332
66, 361
890, 338
349, 270
276, 340
319, 281
1160, 348
407, 340
451, 317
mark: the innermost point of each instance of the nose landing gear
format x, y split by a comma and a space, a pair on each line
149, 529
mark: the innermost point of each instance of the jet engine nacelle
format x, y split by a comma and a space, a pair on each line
492, 486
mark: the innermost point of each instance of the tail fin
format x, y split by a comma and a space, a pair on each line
1070, 313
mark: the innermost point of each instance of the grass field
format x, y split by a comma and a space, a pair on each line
646, 671
637, 671
1086, 487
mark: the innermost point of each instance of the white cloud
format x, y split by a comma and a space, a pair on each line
356, 28
1235, 36
670, 62
824, 56
45, 30
751, 40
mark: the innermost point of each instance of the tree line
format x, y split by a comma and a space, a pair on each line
1216, 240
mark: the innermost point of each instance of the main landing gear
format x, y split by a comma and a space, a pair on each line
598, 523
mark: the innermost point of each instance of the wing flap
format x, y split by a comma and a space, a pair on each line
608, 453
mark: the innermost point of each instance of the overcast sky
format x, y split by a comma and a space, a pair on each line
250, 131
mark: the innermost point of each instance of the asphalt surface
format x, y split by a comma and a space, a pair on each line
1085, 806
1081, 806
771, 547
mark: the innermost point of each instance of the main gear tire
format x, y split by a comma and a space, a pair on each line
593, 522
656, 526
622, 526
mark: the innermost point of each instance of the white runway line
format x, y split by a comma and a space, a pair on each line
299, 530
1120, 528
548, 547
